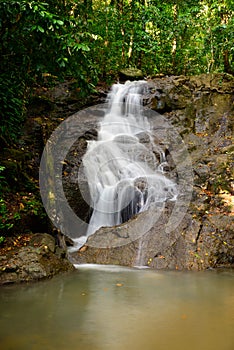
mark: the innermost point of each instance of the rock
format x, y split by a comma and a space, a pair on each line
38, 260
78, 196
156, 248
130, 74
42, 240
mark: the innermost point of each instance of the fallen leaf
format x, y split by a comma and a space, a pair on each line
184, 317
21, 206
83, 249
119, 284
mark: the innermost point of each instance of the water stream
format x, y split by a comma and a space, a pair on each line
113, 308
125, 175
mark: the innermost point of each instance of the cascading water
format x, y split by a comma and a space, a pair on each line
125, 174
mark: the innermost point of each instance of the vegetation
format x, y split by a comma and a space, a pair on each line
92, 40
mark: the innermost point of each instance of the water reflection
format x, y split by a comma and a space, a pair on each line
118, 308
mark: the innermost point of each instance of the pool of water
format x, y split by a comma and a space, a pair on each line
113, 308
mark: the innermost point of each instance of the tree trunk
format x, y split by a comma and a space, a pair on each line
88, 8
227, 66
174, 40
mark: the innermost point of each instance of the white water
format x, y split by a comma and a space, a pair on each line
125, 176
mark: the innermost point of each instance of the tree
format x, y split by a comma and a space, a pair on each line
38, 38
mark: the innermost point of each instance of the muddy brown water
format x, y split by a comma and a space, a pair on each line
115, 308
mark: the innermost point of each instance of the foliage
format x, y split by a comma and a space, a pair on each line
41, 38
5, 222
38, 38
31, 205
93, 39
12, 107
2, 179
174, 37
27, 207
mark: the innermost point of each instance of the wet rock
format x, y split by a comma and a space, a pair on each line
36, 261
193, 245
155, 248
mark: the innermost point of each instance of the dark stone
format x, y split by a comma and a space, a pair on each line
77, 195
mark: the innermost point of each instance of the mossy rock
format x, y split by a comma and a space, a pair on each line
130, 74
43, 240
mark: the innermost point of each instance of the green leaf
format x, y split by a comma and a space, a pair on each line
42, 30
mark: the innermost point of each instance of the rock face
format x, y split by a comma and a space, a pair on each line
193, 245
40, 259
72, 191
201, 110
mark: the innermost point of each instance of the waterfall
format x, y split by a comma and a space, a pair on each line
124, 167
